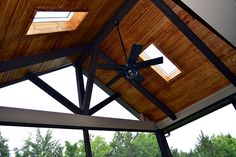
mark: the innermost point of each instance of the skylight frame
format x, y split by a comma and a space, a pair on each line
167, 76
52, 17
55, 24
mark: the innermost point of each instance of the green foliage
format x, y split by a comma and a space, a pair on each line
75, 150
139, 145
124, 144
4, 150
216, 146
42, 146
99, 146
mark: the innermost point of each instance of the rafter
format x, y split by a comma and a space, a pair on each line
42, 57
196, 16
144, 91
196, 40
107, 28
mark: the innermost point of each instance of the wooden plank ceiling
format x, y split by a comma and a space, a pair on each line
144, 24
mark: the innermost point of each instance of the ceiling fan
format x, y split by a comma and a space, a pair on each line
130, 69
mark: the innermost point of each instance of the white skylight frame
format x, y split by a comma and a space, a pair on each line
167, 69
53, 16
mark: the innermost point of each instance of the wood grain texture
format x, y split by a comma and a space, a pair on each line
144, 24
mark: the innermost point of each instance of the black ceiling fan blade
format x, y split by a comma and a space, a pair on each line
150, 62
135, 52
110, 66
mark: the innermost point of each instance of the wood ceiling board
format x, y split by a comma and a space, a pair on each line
18, 74
144, 24
218, 46
18, 15
198, 74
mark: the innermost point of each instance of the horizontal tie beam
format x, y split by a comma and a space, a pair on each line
33, 118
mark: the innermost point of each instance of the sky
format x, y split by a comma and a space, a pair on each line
27, 95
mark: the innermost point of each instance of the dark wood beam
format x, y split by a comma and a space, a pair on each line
20, 117
107, 28
163, 145
90, 82
196, 40
153, 99
109, 25
104, 103
114, 79
53, 93
87, 144
233, 100
144, 91
80, 83
203, 22
42, 57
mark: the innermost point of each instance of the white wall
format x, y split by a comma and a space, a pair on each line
220, 14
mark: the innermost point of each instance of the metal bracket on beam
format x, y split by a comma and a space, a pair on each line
53, 93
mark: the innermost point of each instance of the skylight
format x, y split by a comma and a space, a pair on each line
167, 69
49, 16
55, 21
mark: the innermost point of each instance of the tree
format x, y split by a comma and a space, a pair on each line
73, 150
4, 150
216, 146
204, 147
42, 146
138, 145
99, 146
224, 145
146, 144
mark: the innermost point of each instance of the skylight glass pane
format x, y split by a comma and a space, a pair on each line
49, 16
167, 67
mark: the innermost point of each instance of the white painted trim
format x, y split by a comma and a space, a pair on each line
227, 91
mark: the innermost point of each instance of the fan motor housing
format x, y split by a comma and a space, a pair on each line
131, 71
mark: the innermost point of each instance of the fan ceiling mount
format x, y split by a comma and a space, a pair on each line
130, 69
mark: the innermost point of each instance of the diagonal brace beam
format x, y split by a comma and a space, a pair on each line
53, 93
90, 82
196, 40
104, 103
80, 83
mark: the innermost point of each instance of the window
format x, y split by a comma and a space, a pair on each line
49, 16
167, 69
55, 21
